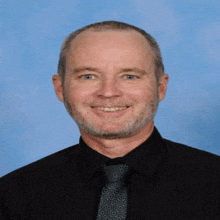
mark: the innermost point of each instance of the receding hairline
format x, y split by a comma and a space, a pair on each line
95, 30
113, 26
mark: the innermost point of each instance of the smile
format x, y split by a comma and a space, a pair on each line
106, 109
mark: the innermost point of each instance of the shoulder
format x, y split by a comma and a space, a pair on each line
47, 166
189, 161
35, 184
187, 153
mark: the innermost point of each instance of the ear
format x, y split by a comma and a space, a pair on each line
163, 86
58, 87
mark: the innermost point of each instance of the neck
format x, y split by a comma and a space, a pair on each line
114, 148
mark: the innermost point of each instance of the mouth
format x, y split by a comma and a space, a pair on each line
111, 109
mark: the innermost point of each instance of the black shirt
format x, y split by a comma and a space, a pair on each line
145, 163
166, 181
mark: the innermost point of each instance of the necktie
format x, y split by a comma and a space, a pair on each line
113, 201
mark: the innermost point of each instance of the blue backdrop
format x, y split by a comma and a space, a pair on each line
35, 124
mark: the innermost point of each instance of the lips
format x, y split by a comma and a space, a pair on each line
111, 109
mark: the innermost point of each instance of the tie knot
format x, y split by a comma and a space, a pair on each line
116, 173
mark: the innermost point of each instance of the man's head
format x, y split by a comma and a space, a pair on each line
110, 25
110, 87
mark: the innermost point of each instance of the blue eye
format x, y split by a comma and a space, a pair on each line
88, 76
131, 77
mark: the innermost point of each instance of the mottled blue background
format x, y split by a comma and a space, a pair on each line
35, 124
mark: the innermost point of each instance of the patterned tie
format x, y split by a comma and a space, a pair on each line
113, 201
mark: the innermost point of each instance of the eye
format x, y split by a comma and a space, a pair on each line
130, 77
88, 76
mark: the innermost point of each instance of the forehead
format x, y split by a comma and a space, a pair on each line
110, 49
108, 38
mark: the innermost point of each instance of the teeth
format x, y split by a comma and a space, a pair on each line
110, 109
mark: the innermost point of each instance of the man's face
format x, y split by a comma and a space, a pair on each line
110, 87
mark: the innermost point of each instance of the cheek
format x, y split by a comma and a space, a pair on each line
76, 93
141, 95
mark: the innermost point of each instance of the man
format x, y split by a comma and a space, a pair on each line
111, 79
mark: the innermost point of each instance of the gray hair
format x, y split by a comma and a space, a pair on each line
110, 25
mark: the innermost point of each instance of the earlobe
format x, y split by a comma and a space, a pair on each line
58, 87
163, 86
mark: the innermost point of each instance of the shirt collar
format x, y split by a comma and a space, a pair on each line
146, 159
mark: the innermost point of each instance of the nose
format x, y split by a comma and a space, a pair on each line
109, 88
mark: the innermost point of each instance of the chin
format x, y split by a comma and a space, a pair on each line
112, 135
109, 133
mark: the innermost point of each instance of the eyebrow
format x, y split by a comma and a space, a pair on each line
135, 69
81, 69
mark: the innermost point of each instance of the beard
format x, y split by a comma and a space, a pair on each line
129, 129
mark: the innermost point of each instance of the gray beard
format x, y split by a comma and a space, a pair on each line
130, 130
